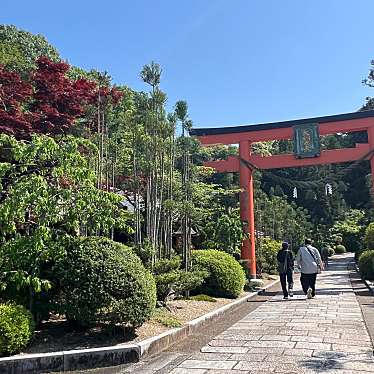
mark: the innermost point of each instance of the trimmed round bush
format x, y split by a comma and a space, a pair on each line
339, 249
331, 251
102, 280
366, 264
338, 239
226, 276
16, 328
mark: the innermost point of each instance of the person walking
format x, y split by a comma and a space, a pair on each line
310, 264
286, 259
325, 256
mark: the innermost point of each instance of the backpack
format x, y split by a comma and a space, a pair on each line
319, 266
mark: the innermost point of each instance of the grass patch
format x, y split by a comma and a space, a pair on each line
203, 298
200, 297
168, 321
165, 318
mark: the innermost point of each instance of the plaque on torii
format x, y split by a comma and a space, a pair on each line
306, 136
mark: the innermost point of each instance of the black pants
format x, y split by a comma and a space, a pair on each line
289, 278
308, 281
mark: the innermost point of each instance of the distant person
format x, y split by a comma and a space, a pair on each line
310, 264
285, 267
325, 256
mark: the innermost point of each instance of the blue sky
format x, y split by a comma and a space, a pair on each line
235, 62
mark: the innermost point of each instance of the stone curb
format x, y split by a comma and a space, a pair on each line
79, 359
368, 284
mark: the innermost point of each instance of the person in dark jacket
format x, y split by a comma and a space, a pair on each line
286, 259
325, 256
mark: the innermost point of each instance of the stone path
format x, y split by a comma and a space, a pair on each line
323, 335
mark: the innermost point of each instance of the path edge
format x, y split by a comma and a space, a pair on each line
80, 359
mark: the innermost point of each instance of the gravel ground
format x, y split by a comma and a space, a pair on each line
56, 335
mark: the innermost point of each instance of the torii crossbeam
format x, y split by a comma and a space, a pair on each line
296, 129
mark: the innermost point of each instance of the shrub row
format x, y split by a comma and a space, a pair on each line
366, 264
99, 280
365, 257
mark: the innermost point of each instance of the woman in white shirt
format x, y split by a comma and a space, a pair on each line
310, 263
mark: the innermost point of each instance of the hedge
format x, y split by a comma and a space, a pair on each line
331, 251
366, 264
100, 279
226, 276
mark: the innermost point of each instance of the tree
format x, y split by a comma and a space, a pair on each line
58, 101
350, 229
181, 108
48, 102
224, 233
14, 94
152, 115
47, 192
20, 50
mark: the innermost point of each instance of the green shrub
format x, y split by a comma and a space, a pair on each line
266, 253
338, 239
352, 242
190, 280
16, 328
224, 233
331, 251
166, 265
103, 280
339, 249
349, 228
226, 276
358, 254
165, 283
178, 281
369, 236
145, 252
366, 264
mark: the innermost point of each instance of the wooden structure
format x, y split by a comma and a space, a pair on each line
305, 133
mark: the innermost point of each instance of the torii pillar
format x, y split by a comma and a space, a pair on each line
370, 132
247, 217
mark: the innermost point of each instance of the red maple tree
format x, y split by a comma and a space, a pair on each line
14, 92
49, 102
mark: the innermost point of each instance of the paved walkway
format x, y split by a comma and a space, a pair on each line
323, 335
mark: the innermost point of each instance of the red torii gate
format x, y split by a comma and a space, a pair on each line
245, 135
